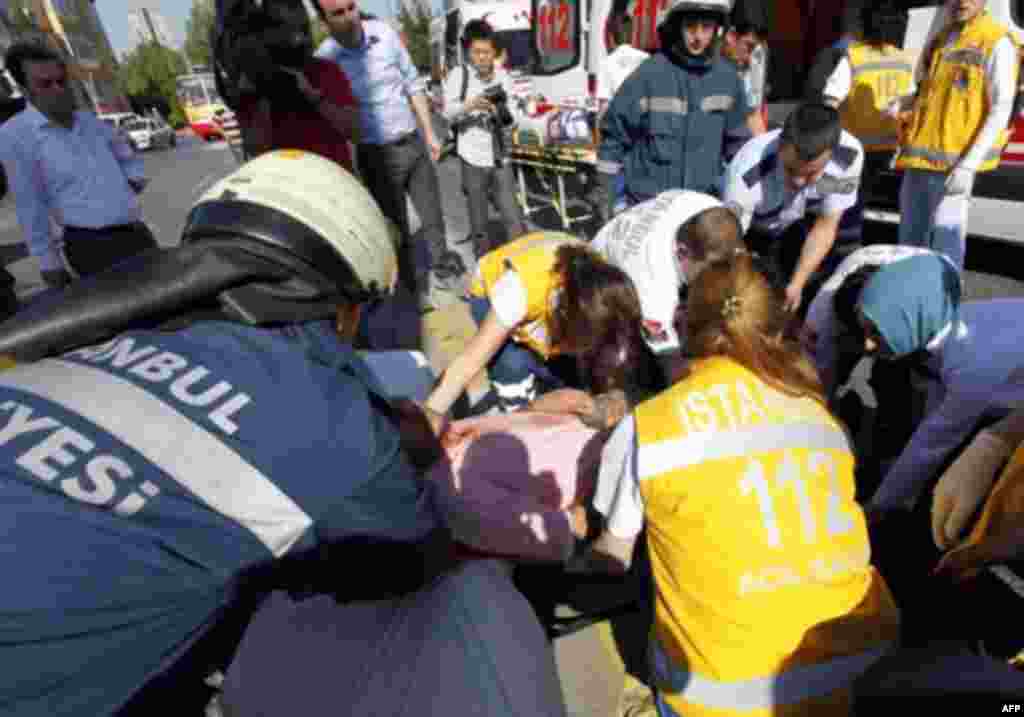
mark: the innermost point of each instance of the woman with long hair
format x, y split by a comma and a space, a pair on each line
766, 600
537, 298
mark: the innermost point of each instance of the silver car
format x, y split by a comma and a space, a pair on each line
147, 133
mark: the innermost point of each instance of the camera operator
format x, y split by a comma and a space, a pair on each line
289, 99
479, 124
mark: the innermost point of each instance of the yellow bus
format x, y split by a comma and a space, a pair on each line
199, 100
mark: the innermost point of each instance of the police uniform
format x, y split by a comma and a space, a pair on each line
966, 87
517, 282
147, 474
642, 242
772, 215
765, 595
665, 128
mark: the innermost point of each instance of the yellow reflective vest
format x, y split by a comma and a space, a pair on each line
765, 595
533, 258
880, 74
952, 103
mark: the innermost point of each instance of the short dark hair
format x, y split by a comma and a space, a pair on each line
21, 52
478, 30
812, 129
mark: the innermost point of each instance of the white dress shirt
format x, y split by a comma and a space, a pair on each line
476, 144
79, 177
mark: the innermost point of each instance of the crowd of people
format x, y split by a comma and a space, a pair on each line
207, 478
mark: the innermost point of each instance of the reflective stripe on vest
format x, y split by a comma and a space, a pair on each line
791, 686
668, 105
655, 459
879, 74
881, 66
932, 155
186, 452
952, 102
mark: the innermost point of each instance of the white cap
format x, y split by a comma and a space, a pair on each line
310, 207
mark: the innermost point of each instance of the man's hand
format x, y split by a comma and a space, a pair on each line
435, 148
965, 486
794, 296
563, 400
966, 562
56, 278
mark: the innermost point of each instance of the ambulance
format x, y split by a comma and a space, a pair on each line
571, 38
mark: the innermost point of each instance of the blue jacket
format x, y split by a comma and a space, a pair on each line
665, 128
145, 474
972, 371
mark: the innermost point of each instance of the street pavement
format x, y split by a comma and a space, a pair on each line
592, 679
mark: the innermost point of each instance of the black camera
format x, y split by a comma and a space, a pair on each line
497, 96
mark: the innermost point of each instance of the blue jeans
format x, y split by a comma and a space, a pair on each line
517, 373
931, 219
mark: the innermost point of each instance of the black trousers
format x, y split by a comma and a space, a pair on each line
91, 251
404, 167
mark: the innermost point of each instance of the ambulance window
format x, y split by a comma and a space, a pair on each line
556, 35
517, 44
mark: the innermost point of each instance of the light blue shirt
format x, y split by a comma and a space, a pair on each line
77, 176
383, 79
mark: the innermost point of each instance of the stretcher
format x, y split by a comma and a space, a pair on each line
551, 165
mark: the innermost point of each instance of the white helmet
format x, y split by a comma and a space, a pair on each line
716, 7
319, 215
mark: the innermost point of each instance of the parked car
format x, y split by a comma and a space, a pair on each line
146, 133
117, 120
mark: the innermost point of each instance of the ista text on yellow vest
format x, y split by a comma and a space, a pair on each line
760, 553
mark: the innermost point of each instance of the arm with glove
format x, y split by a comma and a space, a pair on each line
1000, 85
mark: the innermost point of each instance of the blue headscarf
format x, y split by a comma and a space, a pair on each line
913, 302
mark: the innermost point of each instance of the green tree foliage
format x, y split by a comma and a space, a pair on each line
21, 16
150, 71
198, 27
414, 20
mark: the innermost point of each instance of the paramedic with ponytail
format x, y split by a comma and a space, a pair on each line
766, 599
544, 295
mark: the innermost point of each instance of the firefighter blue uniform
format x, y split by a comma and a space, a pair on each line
141, 477
665, 128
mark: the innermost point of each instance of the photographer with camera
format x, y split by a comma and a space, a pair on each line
478, 125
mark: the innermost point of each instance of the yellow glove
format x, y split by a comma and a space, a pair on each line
964, 486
